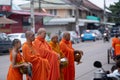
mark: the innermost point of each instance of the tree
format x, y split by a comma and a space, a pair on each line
115, 15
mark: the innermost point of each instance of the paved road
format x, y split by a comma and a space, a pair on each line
85, 71
92, 51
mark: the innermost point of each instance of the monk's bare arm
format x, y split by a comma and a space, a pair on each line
14, 64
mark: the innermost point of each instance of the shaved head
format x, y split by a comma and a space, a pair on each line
29, 35
66, 36
40, 30
54, 36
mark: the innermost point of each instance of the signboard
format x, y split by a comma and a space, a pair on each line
5, 2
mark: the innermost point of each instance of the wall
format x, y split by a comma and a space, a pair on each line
54, 29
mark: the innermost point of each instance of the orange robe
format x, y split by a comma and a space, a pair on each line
40, 66
56, 48
116, 45
66, 48
46, 52
14, 73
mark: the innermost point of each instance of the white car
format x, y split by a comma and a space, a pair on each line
73, 37
20, 36
98, 34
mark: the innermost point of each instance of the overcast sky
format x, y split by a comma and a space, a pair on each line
100, 3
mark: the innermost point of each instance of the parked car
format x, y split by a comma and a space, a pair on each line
47, 38
5, 43
114, 31
98, 34
73, 37
88, 35
20, 36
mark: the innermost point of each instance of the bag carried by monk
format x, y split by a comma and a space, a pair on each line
78, 55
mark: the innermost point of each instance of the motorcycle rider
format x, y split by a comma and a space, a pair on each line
106, 35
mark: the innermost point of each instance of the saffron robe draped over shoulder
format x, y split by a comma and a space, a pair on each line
116, 45
40, 66
56, 48
66, 48
14, 73
46, 52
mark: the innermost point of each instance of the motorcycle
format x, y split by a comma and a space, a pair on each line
101, 74
106, 37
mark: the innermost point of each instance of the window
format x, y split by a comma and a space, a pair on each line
25, 21
71, 12
53, 11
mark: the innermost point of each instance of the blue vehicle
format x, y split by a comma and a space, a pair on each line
88, 35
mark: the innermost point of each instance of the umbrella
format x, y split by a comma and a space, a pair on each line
4, 20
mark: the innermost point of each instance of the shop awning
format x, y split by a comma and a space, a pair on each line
21, 12
4, 20
63, 21
93, 18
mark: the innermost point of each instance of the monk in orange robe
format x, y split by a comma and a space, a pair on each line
17, 61
66, 48
46, 52
40, 66
116, 45
55, 46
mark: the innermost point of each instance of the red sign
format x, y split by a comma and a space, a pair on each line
5, 8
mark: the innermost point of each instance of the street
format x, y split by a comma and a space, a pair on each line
85, 71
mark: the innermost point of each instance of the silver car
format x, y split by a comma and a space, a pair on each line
73, 37
98, 34
5, 43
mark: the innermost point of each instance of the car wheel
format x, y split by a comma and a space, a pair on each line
82, 40
94, 40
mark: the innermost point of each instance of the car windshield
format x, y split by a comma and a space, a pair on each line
13, 36
17, 35
3, 36
87, 31
95, 31
23, 36
73, 33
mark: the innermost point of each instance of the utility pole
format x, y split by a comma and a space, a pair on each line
104, 13
32, 19
78, 4
77, 21
40, 6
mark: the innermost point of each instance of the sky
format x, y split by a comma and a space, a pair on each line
100, 3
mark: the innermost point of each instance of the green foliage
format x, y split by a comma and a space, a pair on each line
115, 16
